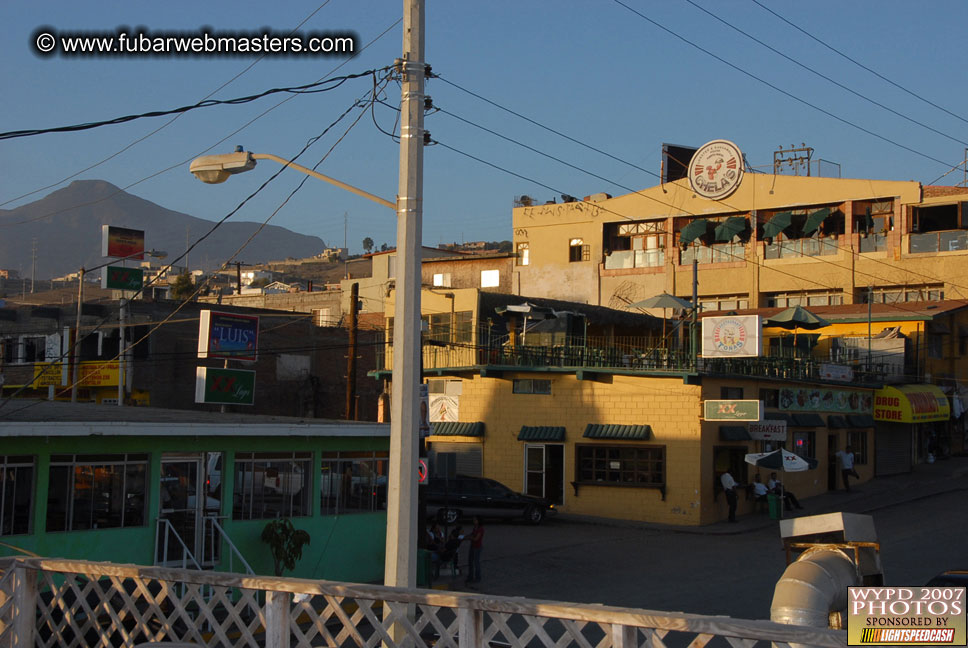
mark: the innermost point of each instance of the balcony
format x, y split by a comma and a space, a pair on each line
943, 241
61, 603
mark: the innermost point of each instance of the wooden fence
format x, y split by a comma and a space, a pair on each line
65, 603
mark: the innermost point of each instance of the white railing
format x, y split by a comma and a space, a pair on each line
65, 603
187, 557
233, 550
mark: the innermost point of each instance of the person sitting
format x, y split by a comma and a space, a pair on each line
759, 490
776, 487
451, 550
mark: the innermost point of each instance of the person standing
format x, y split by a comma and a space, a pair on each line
729, 487
474, 556
846, 458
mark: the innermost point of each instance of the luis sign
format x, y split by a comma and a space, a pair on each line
228, 335
224, 386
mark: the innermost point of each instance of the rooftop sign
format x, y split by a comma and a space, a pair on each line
716, 169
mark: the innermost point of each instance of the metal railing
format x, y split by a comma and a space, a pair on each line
161, 547
66, 603
223, 536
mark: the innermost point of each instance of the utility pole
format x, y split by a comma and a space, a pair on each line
33, 265
346, 255
400, 568
351, 356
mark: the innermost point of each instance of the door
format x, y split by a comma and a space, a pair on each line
189, 488
832, 462
544, 467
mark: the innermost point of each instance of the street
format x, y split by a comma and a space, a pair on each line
732, 575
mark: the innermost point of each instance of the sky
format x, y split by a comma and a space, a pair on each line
594, 71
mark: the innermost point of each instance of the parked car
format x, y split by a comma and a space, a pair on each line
950, 578
464, 496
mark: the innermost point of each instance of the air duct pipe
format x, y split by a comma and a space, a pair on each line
813, 587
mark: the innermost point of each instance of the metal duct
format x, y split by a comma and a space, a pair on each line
813, 587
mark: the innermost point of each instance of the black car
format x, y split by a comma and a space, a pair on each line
950, 578
464, 496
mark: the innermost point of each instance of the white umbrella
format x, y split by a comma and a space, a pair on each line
780, 460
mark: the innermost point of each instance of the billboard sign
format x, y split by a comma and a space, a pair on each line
732, 410
732, 336
224, 386
122, 243
120, 278
228, 335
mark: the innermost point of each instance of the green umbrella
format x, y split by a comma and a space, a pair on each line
777, 224
695, 229
730, 227
815, 219
796, 317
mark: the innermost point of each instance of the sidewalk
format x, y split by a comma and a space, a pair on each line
926, 480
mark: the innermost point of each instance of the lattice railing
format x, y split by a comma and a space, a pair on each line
63, 603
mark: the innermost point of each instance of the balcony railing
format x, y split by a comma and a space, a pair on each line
62, 603
944, 241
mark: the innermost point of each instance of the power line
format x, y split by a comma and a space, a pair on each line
790, 95
833, 49
824, 76
166, 124
308, 88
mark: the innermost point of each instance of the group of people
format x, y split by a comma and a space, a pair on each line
760, 492
447, 550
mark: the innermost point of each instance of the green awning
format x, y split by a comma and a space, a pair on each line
629, 432
778, 416
729, 228
836, 422
808, 419
451, 428
541, 433
693, 230
777, 224
860, 420
733, 433
815, 219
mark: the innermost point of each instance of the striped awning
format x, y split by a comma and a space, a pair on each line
453, 428
629, 432
733, 433
541, 433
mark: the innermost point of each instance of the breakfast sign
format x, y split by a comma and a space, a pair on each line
807, 399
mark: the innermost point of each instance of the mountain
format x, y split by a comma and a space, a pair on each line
67, 226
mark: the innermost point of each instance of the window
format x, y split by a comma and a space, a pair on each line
770, 397
531, 386
578, 251
724, 303
490, 278
621, 465
524, 254
24, 349
635, 245
909, 293
731, 393
805, 444
96, 491
935, 345
353, 482
442, 279
272, 484
16, 494
324, 317
857, 440
445, 327
805, 298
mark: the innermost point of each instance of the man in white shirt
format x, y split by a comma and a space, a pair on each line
759, 488
729, 487
846, 458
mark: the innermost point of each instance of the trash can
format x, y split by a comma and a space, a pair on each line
774, 503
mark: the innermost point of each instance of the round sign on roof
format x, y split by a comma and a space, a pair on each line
716, 169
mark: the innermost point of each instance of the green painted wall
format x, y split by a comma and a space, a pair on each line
344, 547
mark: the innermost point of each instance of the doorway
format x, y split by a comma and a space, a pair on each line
544, 467
189, 488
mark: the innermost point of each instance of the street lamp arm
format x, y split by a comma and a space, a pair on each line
325, 178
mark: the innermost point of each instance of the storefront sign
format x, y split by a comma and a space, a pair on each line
228, 335
122, 243
47, 374
732, 410
716, 169
224, 386
737, 336
120, 278
768, 430
842, 373
911, 404
98, 374
825, 400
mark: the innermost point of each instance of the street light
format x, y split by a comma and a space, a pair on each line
215, 169
158, 254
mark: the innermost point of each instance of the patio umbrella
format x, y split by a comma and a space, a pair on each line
696, 229
729, 228
812, 224
782, 460
777, 224
795, 318
663, 301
